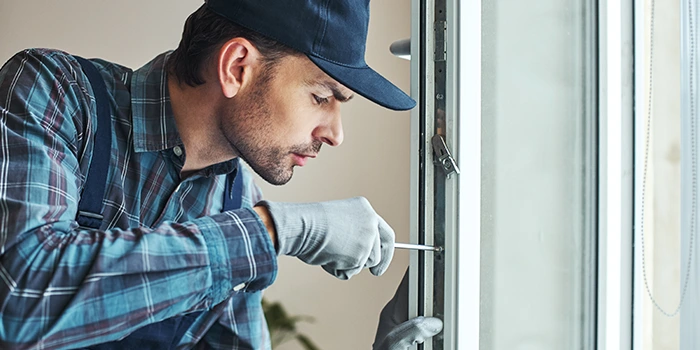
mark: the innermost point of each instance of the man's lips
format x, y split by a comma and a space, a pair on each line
300, 159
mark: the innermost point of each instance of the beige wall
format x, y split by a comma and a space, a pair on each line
373, 161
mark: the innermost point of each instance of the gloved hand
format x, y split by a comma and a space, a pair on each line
396, 331
342, 236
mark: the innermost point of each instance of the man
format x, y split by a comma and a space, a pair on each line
166, 260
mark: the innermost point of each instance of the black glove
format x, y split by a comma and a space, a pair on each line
396, 331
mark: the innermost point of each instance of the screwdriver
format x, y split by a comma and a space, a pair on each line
417, 247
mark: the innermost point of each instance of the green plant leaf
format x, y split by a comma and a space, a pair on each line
306, 342
282, 326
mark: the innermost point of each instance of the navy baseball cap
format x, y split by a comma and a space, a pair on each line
332, 33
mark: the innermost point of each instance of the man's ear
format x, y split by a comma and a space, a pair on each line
237, 58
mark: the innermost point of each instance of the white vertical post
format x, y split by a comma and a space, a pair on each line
462, 192
467, 106
690, 310
641, 80
615, 181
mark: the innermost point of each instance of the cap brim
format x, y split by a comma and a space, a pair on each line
367, 83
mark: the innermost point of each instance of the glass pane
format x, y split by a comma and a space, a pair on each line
538, 220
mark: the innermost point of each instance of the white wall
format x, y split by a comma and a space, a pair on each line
373, 161
663, 192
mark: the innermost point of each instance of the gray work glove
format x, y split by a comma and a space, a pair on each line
396, 331
343, 236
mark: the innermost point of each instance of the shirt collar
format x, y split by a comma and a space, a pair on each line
152, 114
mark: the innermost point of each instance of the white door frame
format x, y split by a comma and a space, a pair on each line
615, 194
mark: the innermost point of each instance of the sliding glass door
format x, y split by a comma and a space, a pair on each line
511, 88
538, 175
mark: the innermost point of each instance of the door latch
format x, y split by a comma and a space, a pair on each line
443, 157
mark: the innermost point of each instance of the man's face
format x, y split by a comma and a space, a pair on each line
282, 118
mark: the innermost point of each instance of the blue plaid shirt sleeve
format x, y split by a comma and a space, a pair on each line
225, 332
62, 286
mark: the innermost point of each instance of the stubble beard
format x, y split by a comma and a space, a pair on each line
248, 129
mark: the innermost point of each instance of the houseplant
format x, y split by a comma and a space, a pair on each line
283, 327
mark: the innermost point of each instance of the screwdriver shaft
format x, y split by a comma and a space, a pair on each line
417, 247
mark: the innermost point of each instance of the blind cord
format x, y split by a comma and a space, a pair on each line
693, 128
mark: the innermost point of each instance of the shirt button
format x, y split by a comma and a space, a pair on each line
177, 150
177, 189
239, 287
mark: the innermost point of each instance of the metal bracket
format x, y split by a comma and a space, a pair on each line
440, 41
443, 156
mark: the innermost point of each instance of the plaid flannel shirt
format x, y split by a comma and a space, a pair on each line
164, 248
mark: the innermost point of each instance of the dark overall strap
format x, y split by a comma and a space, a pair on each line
162, 335
233, 192
165, 334
90, 205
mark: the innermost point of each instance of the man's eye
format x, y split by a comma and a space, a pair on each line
320, 100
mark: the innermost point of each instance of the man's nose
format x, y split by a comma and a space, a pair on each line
331, 131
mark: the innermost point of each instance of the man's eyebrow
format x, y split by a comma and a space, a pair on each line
336, 92
333, 87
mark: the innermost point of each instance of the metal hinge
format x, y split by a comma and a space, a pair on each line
440, 41
443, 157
